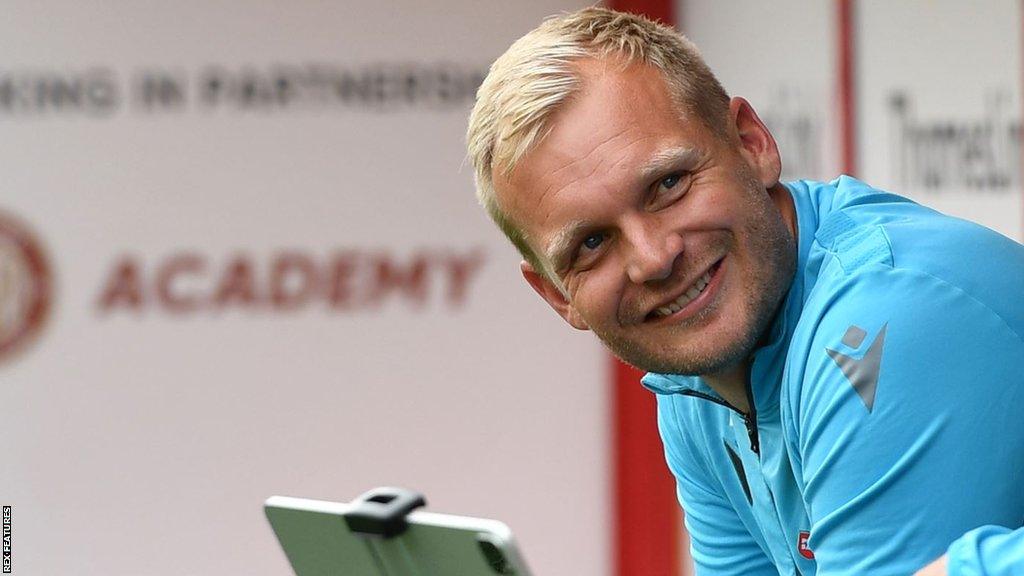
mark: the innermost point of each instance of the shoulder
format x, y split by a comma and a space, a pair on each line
902, 294
873, 249
922, 316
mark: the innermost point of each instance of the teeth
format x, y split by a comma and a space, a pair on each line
685, 299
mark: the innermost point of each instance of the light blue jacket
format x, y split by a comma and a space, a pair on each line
888, 402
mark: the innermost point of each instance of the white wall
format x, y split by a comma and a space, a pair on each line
953, 143
780, 56
142, 438
939, 98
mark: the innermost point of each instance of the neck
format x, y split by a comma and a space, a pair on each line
731, 385
782, 200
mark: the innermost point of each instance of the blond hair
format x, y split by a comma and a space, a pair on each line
529, 82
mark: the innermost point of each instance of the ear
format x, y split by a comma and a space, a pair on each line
553, 296
757, 145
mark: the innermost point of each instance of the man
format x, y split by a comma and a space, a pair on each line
836, 367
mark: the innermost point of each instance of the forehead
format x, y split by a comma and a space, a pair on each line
620, 119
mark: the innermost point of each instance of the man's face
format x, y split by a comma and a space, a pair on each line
662, 235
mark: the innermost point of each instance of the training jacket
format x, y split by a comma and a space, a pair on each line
886, 403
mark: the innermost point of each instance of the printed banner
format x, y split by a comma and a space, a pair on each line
240, 256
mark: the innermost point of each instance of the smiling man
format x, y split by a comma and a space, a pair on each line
832, 362
672, 281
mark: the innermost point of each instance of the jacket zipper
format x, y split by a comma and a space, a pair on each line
749, 419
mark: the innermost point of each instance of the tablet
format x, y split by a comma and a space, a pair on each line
378, 535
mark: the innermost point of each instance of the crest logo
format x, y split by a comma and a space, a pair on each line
801, 545
25, 285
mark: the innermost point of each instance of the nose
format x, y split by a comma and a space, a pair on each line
652, 254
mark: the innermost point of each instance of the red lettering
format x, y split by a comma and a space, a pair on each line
293, 280
122, 289
411, 280
236, 285
173, 268
340, 278
460, 269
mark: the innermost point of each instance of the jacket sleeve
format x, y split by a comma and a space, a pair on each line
987, 551
903, 433
719, 542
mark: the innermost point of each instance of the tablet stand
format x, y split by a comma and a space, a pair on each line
382, 511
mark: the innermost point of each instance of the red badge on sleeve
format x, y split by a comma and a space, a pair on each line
801, 545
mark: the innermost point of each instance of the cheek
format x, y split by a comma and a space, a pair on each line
708, 209
595, 295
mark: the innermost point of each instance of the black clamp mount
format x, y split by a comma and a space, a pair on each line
382, 511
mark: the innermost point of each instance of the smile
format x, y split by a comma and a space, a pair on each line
689, 295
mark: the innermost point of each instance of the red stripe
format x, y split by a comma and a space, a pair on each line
662, 10
847, 87
647, 525
647, 522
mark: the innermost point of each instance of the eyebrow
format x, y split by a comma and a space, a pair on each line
560, 248
668, 159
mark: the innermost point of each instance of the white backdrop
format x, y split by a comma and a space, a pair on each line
780, 56
167, 395
937, 89
940, 105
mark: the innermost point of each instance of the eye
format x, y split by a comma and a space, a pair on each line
589, 250
593, 241
669, 189
670, 182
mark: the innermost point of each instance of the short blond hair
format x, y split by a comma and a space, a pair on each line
529, 82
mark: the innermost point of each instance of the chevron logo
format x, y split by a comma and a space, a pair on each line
861, 372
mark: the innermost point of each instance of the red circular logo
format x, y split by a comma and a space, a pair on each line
25, 285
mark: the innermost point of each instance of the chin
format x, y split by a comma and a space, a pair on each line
716, 340
715, 352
